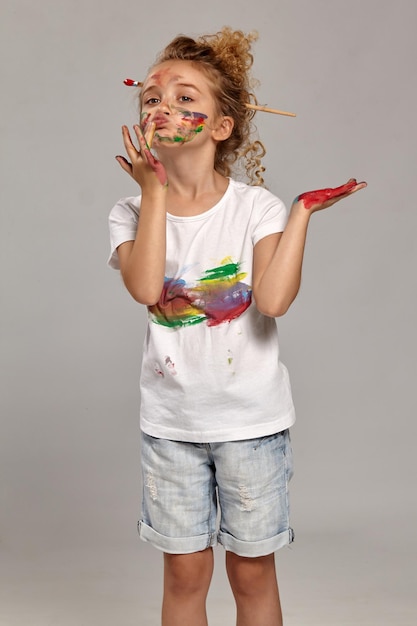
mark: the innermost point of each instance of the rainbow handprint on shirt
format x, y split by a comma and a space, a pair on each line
219, 296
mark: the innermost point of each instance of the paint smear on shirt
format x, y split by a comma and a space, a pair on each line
218, 297
157, 370
230, 362
171, 366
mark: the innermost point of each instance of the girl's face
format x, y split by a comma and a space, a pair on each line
177, 98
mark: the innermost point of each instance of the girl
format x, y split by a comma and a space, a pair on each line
215, 261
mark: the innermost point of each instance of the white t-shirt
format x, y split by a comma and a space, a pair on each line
211, 369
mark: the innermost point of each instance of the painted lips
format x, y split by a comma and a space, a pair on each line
160, 120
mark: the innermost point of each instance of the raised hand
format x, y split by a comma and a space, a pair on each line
324, 198
143, 166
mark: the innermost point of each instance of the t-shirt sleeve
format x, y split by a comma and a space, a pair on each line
123, 222
271, 216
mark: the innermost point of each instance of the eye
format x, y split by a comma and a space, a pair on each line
185, 99
152, 101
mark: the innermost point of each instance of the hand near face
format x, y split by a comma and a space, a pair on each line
143, 167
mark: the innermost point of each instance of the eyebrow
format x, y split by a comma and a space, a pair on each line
156, 86
188, 86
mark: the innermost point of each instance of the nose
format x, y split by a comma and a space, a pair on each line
166, 104
165, 107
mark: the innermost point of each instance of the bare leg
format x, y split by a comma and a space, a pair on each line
255, 588
186, 583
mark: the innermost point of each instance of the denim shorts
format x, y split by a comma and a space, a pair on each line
234, 493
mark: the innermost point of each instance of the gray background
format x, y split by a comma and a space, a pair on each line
71, 335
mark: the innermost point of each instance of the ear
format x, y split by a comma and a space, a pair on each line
223, 128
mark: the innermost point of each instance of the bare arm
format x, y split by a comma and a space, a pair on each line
142, 261
278, 258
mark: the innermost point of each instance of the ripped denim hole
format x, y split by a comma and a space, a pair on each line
151, 485
246, 501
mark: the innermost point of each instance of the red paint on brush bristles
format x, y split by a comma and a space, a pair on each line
132, 83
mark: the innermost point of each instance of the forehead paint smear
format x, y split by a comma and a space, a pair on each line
159, 76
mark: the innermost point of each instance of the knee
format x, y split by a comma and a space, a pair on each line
250, 576
187, 574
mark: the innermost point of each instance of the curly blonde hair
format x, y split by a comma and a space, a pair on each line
226, 59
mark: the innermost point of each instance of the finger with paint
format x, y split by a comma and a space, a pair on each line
145, 143
150, 134
323, 198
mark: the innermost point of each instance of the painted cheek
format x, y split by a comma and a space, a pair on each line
193, 116
190, 123
195, 121
187, 125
